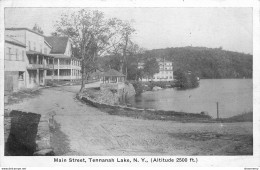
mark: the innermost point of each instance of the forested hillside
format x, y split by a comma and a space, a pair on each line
207, 62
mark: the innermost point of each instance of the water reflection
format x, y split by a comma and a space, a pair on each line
235, 96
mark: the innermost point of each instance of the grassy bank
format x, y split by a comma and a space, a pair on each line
176, 116
244, 117
159, 115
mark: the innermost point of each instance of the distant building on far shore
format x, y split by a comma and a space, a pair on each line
165, 71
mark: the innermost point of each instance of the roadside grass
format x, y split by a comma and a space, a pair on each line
19, 96
244, 117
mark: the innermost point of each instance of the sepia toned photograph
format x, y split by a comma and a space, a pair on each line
123, 81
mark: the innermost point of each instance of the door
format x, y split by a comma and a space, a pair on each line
41, 77
8, 84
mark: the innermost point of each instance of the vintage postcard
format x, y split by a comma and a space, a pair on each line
129, 83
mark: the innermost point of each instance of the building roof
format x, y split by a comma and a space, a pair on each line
37, 53
60, 56
163, 60
112, 73
58, 44
11, 40
47, 43
27, 29
64, 56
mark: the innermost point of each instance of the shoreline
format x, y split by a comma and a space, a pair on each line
152, 114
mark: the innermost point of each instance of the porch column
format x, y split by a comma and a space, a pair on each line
58, 69
52, 68
71, 61
37, 77
117, 79
44, 76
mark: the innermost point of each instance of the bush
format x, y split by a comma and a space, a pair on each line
49, 83
139, 87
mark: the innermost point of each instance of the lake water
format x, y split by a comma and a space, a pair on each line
235, 96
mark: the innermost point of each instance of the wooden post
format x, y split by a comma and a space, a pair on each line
52, 69
217, 111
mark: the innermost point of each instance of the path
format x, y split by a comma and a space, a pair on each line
85, 130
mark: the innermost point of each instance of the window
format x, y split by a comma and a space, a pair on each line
8, 53
16, 54
41, 48
29, 44
34, 46
30, 77
55, 72
31, 60
21, 73
22, 55
49, 72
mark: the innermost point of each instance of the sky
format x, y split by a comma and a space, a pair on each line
229, 28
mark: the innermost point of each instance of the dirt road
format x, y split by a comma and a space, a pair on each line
85, 130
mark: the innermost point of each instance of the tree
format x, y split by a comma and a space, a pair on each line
139, 74
181, 78
37, 28
114, 61
185, 80
90, 33
134, 53
151, 67
121, 43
